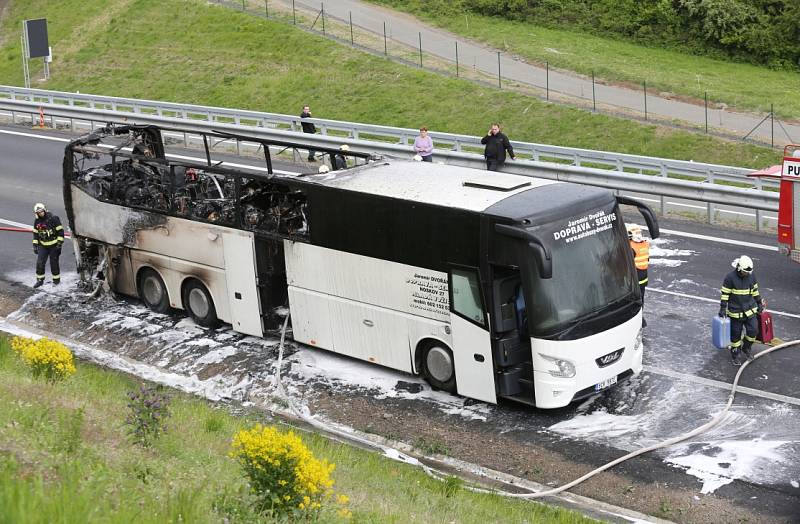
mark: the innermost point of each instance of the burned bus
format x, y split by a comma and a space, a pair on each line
489, 285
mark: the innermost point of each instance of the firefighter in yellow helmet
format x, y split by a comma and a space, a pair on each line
640, 247
740, 300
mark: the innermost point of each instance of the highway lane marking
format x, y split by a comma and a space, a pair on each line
720, 240
714, 301
722, 385
170, 155
15, 224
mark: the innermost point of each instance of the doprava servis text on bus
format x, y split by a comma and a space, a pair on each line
488, 285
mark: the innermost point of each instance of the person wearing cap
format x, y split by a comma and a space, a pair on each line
740, 300
423, 145
640, 247
48, 237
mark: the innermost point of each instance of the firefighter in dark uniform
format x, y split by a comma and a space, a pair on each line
641, 258
48, 236
740, 300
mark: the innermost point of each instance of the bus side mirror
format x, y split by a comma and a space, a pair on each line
543, 260
647, 213
540, 252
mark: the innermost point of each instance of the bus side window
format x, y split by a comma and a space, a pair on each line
466, 295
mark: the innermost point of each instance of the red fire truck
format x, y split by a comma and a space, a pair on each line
789, 204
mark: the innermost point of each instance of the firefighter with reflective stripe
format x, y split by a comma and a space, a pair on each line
641, 257
741, 300
48, 236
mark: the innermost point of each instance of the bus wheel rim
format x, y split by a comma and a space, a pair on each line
439, 364
152, 291
198, 303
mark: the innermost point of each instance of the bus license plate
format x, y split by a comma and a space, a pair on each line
604, 384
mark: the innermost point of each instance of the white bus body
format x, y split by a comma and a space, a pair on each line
428, 269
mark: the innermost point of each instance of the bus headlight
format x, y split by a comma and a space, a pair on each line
637, 345
566, 369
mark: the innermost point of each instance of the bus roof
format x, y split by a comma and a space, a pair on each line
428, 183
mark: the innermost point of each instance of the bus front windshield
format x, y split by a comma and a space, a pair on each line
592, 272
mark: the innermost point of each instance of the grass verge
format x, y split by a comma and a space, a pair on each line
65, 457
212, 55
740, 85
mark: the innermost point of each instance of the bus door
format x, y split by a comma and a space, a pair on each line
472, 358
511, 343
240, 277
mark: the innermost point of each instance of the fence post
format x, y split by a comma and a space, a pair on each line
352, 42
705, 98
456, 58
644, 84
594, 98
547, 80
385, 45
322, 9
420, 49
772, 125
499, 82
243, 8
266, 8
294, 14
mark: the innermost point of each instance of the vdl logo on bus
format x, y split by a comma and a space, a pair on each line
609, 359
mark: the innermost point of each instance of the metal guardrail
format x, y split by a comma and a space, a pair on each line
454, 142
395, 142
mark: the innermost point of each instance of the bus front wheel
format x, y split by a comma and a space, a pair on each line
198, 303
152, 291
438, 368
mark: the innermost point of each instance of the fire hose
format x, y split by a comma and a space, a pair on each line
402, 457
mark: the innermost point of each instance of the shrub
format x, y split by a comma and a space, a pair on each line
46, 358
283, 473
149, 411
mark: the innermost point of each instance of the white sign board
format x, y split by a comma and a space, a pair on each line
791, 167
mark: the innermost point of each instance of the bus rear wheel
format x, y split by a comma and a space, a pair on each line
198, 303
152, 291
438, 367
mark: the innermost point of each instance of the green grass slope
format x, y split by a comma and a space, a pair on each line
65, 457
194, 52
739, 85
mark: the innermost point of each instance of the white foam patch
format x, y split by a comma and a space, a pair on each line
214, 388
664, 257
795, 484
717, 463
213, 357
601, 423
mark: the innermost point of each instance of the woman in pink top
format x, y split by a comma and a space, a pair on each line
423, 145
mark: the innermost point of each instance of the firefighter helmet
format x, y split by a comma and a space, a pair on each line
635, 232
344, 147
743, 264
39, 207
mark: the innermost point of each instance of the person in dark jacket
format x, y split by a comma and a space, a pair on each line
740, 300
496, 146
48, 236
308, 127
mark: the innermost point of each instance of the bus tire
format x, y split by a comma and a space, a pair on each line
152, 290
198, 303
438, 366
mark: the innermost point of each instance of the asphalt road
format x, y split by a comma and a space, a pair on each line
685, 378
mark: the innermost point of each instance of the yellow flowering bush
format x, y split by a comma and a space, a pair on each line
46, 358
283, 473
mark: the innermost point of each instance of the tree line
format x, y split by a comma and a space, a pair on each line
764, 32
